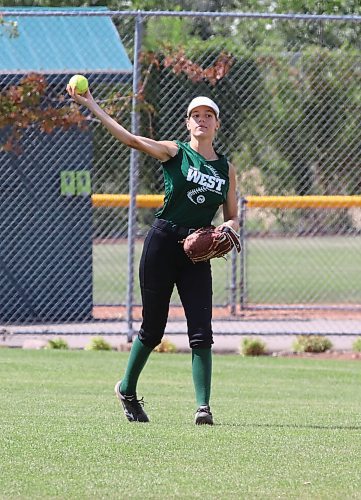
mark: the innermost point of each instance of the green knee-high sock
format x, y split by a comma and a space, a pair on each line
202, 374
138, 357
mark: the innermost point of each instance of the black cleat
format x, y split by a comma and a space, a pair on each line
133, 407
203, 416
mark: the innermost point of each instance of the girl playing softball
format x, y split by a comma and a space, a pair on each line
197, 181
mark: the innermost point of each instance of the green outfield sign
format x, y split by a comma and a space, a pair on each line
75, 183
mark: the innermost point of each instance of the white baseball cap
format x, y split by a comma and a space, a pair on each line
203, 101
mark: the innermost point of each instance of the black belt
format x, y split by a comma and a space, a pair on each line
169, 227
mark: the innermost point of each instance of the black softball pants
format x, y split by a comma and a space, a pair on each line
164, 265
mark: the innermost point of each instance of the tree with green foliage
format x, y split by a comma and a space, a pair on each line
332, 35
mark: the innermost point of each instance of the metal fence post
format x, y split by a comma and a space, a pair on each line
133, 176
233, 286
242, 232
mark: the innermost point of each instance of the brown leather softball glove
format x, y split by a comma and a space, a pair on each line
210, 242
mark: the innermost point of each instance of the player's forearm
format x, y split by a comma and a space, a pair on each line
230, 211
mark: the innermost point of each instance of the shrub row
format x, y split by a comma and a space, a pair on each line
249, 346
100, 344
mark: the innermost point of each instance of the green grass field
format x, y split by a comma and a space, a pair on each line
285, 428
279, 271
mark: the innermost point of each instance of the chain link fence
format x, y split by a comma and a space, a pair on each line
289, 92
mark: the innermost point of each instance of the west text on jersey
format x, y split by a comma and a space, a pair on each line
205, 180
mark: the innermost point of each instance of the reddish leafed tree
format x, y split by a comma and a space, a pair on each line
23, 106
178, 62
181, 64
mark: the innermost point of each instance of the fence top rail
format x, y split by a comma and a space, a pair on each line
164, 13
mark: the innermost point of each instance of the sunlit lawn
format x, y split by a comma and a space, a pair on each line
285, 428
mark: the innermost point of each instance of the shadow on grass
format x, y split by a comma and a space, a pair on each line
296, 426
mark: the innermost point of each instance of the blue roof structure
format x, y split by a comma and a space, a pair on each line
62, 44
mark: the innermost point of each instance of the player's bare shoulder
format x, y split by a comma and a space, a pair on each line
171, 148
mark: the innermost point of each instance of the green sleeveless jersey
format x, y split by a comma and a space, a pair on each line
194, 187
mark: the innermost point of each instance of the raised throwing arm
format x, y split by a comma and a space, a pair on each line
161, 150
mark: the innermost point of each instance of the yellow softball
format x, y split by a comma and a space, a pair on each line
79, 83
